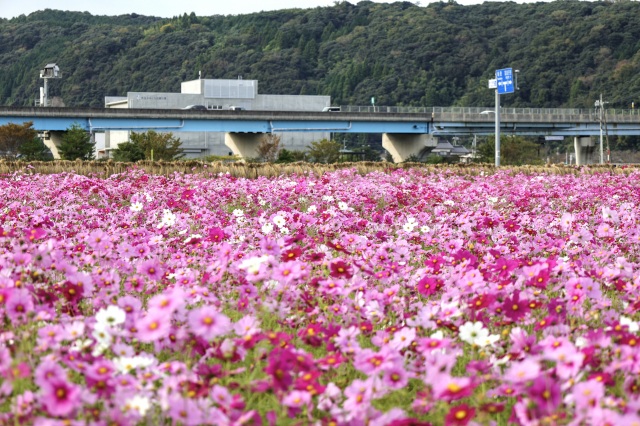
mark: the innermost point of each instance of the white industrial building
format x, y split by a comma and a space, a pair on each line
216, 95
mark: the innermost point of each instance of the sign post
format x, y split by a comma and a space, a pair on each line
504, 84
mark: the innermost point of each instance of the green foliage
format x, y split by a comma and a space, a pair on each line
514, 151
128, 152
13, 136
286, 156
226, 158
35, 150
324, 151
157, 146
76, 144
439, 54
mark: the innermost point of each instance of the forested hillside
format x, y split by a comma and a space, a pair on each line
439, 54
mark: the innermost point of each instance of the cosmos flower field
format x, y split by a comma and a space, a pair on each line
392, 298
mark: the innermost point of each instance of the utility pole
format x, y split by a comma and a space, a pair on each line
497, 117
600, 104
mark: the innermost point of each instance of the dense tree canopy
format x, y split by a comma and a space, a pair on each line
13, 136
438, 54
76, 144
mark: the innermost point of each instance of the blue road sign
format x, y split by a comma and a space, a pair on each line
504, 78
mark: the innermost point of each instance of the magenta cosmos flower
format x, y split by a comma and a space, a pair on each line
208, 323
59, 397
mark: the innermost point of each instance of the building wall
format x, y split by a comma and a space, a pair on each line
198, 144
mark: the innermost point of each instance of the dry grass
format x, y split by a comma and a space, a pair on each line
254, 170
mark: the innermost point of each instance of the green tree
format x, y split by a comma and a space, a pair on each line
514, 151
128, 152
12, 136
35, 150
158, 146
286, 156
324, 151
76, 144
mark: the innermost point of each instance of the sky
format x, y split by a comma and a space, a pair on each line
167, 9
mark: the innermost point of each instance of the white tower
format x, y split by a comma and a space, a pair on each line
49, 71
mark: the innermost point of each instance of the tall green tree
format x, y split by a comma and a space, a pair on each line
76, 144
324, 151
158, 146
12, 136
35, 150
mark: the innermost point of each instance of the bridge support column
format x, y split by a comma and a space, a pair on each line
584, 147
52, 140
401, 146
244, 145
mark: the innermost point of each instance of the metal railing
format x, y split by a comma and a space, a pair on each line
488, 110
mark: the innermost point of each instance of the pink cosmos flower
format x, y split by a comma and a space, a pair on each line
152, 269
48, 371
59, 397
153, 326
359, 395
19, 305
395, 377
185, 411
168, 301
208, 323
523, 371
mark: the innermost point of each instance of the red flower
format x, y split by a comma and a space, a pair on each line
216, 235
427, 286
460, 415
291, 254
340, 269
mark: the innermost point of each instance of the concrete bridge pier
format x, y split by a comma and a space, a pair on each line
401, 146
244, 145
585, 148
52, 139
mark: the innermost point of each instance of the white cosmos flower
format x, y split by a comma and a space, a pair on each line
139, 403
136, 207
103, 340
474, 333
252, 264
408, 227
168, 219
284, 230
267, 228
312, 209
279, 220
110, 317
343, 206
125, 364
238, 213
80, 344
424, 229
633, 326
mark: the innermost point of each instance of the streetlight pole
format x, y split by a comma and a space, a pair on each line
601, 149
497, 114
